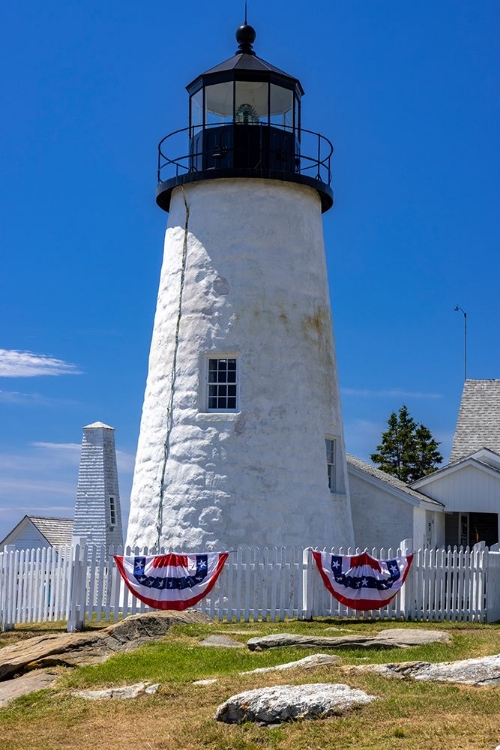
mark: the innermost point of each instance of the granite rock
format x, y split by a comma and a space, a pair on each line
273, 705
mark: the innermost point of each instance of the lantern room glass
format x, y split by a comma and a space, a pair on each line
281, 107
196, 114
219, 103
251, 106
245, 103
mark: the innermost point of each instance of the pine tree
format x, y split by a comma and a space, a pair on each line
408, 450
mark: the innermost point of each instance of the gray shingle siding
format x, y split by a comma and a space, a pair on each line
478, 423
97, 482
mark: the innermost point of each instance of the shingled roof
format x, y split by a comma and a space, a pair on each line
57, 531
393, 482
478, 423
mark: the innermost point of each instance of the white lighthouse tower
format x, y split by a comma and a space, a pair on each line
241, 438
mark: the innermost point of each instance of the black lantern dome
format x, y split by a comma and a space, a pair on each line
244, 121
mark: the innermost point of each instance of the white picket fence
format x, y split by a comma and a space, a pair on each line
82, 583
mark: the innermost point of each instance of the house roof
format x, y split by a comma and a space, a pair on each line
393, 482
478, 423
57, 531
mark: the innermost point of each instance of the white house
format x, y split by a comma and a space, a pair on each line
385, 510
33, 532
469, 486
459, 504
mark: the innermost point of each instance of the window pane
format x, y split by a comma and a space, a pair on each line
281, 106
222, 396
251, 104
219, 103
197, 109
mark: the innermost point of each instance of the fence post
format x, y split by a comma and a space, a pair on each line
407, 596
307, 588
6, 568
77, 585
492, 586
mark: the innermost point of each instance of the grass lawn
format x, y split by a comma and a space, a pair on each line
407, 715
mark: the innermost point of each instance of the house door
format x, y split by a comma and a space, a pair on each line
463, 530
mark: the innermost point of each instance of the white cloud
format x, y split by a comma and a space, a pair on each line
63, 448
395, 393
32, 399
17, 364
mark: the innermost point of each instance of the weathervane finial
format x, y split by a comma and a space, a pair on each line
245, 36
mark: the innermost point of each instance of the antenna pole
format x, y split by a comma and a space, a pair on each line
246, 22
457, 309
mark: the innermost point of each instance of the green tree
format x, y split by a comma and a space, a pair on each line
407, 451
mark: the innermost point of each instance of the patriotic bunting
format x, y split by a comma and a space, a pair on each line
361, 581
171, 581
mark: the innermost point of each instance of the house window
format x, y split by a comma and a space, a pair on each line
112, 512
331, 445
222, 384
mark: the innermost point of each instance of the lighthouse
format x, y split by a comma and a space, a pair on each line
241, 437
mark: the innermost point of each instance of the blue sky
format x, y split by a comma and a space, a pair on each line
407, 92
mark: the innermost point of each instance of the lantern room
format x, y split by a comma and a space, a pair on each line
245, 121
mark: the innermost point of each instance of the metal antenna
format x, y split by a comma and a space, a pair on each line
459, 309
246, 23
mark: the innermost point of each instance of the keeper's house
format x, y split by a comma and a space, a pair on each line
385, 510
33, 532
458, 504
469, 486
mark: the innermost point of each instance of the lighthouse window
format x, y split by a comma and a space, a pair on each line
218, 103
222, 384
281, 107
197, 111
251, 102
331, 445
112, 512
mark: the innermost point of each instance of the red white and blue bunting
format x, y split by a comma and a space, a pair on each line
361, 581
171, 581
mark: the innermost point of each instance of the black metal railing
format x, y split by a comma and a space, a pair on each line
258, 147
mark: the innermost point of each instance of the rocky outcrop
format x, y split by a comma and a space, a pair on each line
91, 647
392, 638
24, 685
309, 662
484, 671
122, 693
221, 641
273, 705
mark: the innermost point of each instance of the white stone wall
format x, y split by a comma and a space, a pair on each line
97, 482
255, 288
